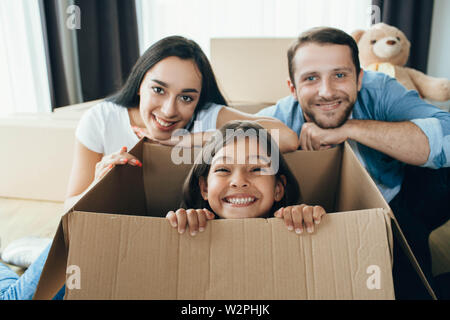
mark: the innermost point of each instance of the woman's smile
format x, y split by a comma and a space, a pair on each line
162, 124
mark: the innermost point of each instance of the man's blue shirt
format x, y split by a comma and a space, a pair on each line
382, 98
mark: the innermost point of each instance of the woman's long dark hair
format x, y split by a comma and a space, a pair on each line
191, 188
173, 46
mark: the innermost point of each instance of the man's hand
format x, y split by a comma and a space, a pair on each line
312, 137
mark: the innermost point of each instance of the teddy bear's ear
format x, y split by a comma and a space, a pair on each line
357, 34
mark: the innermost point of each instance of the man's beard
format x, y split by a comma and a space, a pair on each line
342, 113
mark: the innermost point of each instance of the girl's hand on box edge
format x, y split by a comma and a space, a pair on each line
194, 218
110, 161
301, 216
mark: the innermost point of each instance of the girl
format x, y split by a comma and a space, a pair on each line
241, 174
171, 87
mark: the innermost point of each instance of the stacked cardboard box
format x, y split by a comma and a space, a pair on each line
114, 243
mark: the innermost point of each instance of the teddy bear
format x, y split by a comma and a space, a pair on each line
384, 48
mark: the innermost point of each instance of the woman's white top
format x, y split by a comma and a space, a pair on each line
105, 128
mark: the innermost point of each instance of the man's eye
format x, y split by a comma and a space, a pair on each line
311, 78
186, 98
158, 90
340, 75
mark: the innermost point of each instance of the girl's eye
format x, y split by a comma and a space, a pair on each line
261, 169
186, 98
158, 90
221, 170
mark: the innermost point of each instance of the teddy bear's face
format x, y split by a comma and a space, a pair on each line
383, 43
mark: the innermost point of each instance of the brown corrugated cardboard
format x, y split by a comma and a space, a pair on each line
50, 145
251, 70
122, 253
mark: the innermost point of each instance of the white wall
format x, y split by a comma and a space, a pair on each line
438, 57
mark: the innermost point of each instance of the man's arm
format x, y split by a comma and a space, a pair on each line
288, 138
403, 141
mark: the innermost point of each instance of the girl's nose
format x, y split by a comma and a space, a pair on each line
239, 180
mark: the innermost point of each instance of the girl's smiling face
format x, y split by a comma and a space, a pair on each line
240, 186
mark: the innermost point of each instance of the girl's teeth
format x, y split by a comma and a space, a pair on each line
240, 200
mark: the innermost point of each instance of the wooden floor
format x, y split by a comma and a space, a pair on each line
20, 218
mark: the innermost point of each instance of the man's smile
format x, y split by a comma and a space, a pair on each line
329, 106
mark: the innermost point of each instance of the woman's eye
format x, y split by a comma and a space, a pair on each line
158, 90
186, 98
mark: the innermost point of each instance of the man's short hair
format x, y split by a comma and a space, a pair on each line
323, 35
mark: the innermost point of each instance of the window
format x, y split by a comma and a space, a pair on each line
23, 77
201, 20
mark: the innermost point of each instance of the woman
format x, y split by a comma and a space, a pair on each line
171, 87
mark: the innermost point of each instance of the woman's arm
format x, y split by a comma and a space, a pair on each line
288, 139
89, 167
82, 174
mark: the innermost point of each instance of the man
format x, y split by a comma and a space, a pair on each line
333, 100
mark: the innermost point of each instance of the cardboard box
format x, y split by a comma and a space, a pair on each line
107, 246
41, 170
251, 70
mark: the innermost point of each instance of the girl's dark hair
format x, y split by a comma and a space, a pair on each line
191, 188
173, 46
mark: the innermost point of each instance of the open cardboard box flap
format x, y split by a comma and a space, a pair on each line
122, 248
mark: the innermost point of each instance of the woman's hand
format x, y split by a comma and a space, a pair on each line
110, 161
300, 216
182, 140
143, 132
194, 218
